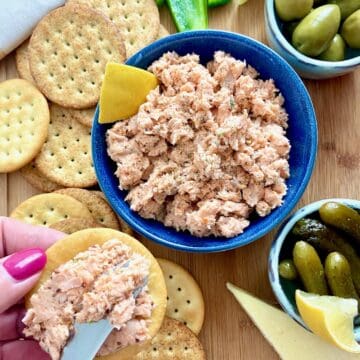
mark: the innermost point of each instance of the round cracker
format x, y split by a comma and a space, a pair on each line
185, 299
162, 32
84, 117
174, 341
47, 209
68, 52
35, 178
138, 21
22, 62
65, 249
24, 121
65, 158
98, 207
124, 227
69, 226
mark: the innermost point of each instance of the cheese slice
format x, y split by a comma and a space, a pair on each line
290, 340
123, 90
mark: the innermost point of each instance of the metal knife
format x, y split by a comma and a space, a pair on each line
89, 337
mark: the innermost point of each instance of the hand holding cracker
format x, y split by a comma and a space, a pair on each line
19, 271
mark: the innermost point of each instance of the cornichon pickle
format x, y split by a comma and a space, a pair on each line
328, 240
287, 269
310, 269
342, 217
338, 275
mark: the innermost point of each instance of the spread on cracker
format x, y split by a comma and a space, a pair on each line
98, 271
123, 90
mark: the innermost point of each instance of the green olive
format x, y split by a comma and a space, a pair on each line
347, 7
289, 10
315, 31
351, 30
287, 269
336, 50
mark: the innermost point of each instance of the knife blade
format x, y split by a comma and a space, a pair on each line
89, 337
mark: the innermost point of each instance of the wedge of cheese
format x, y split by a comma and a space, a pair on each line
123, 90
290, 340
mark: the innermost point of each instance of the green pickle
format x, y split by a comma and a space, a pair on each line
342, 217
338, 275
310, 269
347, 7
289, 10
315, 31
350, 30
287, 269
336, 50
328, 240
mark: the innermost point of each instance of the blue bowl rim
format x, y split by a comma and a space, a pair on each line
276, 246
344, 64
287, 207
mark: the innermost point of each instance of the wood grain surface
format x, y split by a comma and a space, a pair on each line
228, 333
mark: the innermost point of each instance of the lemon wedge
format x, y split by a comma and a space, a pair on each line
329, 317
123, 90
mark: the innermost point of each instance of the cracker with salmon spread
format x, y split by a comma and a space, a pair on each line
138, 21
24, 123
185, 299
68, 52
174, 341
47, 209
113, 256
98, 207
65, 158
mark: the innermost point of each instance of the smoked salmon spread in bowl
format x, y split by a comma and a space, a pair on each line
221, 150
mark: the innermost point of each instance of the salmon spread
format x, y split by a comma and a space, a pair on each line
206, 149
97, 283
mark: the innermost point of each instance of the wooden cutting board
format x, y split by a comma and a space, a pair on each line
228, 333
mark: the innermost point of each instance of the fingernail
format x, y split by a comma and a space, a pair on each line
25, 263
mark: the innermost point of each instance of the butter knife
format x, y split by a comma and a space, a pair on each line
89, 337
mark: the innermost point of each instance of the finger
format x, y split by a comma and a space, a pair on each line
18, 274
11, 325
16, 235
22, 349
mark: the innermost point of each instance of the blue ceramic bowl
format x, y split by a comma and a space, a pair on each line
281, 248
306, 67
302, 133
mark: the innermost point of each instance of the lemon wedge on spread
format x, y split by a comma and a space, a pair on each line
123, 90
329, 317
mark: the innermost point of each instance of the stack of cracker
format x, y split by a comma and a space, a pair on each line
70, 210
64, 62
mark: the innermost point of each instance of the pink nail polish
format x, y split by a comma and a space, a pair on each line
25, 263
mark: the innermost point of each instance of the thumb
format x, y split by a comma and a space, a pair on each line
18, 274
